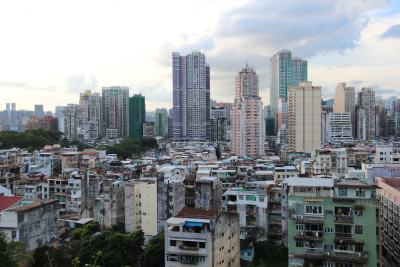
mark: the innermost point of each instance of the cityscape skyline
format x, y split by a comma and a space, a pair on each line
342, 42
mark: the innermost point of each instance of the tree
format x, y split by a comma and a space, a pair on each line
274, 255
5, 258
149, 142
16, 251
153, 255
13, 253
117, 249
137, 237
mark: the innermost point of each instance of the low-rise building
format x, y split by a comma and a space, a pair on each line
332, 223
33, 221
203, 238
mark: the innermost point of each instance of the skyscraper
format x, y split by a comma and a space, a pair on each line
304, 118
115, 110
191, 97
285, 72
161, 123
345, 99
88, 115
137, 115
247, 122
39, 111
365, 114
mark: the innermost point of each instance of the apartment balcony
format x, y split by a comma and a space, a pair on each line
309, 235
275, 200
343, 235
314, 251
188, 248
275, 222
343, 219
251, 213
276, 211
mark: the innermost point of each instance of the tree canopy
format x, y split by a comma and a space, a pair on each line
36, 139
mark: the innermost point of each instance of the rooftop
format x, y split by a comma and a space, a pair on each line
309, 182
197, 213
8, 201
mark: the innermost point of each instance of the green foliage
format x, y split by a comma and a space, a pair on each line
138, 237
5, 258
267, 253
13, 253
81, 146
131, 146
149, 142
153, 255
16, 251
49, 256
117, 249
36, 139
88, 230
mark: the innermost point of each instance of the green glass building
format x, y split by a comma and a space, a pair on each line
137, 116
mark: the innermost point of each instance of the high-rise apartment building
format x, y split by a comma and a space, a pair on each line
115, 109
69, 121
161, 123
285, 72
137, 115
345, 100
39, 111
304, 120
191, 97
339, 128
247, 120
365, 114
88, 115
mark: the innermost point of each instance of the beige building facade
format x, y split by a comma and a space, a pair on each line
304, 117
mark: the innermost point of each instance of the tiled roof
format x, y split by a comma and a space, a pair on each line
37, 202
8, 201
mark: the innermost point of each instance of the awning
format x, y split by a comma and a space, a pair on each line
193, 224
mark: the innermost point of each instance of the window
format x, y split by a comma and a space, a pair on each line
202, 244
241, 197
360, 193
314, 210
172, 243
359, 229
342, 192
299, 226
14, 234
358, 212
359, 248
299, 243
328, 230
261, 199
329, 264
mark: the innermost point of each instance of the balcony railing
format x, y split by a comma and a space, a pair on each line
343, 219
315, 251
188, 248
343, 235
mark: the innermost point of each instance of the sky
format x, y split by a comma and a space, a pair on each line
50, 51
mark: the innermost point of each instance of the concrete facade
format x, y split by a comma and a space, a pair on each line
304, 117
